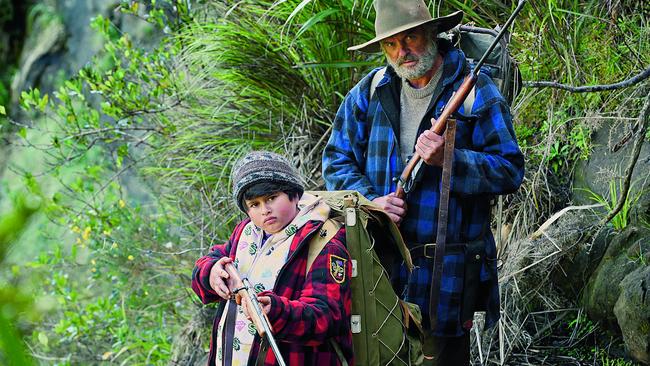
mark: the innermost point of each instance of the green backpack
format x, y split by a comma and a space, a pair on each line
385, 329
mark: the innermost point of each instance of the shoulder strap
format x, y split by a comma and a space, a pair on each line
318, 242
375, 81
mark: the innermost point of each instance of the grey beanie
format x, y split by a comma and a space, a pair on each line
262, 166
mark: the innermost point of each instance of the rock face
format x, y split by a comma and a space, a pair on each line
61, 41
603, 291
632, 311
605, 166
617, 295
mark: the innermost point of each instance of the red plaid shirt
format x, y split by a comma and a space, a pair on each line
307, 312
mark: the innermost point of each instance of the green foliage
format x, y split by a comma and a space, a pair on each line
14, 302
118, 273
622, 219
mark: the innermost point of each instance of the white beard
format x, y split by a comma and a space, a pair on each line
424, 64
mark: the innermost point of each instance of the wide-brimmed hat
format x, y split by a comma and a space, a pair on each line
395, 16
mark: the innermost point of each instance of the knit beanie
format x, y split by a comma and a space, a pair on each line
262, 166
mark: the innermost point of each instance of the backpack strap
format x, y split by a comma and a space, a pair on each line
375, 81
325, 234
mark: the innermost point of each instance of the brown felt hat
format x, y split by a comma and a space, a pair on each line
395, 16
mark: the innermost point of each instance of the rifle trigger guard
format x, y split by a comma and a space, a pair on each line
413, 178
406, 184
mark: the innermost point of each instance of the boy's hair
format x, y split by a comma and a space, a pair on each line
263, 167
268, 188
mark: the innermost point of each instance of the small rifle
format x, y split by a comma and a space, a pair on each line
457, 99
246, 293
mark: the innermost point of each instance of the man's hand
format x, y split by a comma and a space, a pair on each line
395, 207
431, 148
218, 277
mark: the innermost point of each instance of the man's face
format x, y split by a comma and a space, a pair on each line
272, 212
411, 53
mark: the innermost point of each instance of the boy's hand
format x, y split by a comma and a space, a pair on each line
218, 275
265, 304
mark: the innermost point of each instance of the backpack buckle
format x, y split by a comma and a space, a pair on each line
429, 250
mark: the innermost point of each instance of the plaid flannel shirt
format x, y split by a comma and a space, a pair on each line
363, 154
307, 311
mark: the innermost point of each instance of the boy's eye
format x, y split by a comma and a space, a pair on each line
252, 205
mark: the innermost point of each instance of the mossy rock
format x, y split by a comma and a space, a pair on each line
623, 256
633, 313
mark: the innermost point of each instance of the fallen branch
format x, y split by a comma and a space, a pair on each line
644, 119
557, 215
590, 88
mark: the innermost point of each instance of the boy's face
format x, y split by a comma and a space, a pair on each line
272, 212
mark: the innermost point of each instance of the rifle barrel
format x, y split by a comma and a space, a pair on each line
487, 53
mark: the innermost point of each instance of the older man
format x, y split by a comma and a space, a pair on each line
383, 120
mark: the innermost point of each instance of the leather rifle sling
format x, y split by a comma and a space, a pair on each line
228, 334
443, 213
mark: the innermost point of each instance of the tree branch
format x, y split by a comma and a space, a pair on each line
644, 119
590, 88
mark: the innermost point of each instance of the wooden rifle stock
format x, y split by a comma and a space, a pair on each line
245, 293
438, 127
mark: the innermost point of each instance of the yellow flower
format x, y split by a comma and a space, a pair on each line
93, 262
76, 229
94, 269
78, 240
86, 233
106, 232
121, 203
114, 246
130, 258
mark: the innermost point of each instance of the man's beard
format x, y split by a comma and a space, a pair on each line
424, 64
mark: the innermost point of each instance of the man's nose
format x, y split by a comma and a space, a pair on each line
403, 50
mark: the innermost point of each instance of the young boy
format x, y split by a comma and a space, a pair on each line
309, 311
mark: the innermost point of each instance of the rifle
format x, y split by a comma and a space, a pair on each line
244, 289
457, 99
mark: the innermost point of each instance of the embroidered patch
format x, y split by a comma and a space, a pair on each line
337, 268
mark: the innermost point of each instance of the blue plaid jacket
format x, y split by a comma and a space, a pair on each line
363, 154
